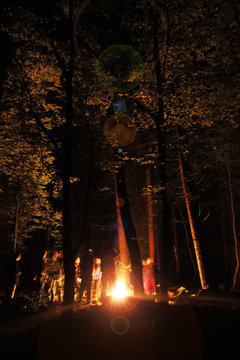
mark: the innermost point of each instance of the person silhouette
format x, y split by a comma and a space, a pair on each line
86, 268
108, 270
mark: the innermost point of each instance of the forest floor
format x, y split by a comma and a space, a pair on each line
208, 328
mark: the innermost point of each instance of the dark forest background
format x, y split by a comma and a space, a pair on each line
57, 170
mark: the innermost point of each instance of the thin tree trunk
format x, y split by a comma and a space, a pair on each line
85, 202
16, 221
151, 240
123, 249
187, 241
236, 249
130, 233
89, 180
68, 258
176, 247
165, 238
225, 249
192, 226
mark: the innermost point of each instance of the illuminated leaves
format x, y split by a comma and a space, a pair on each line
200, 89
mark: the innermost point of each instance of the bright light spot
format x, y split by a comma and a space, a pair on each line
120, 291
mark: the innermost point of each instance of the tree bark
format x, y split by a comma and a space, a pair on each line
123, 249
225, 248
175, 246
165, 238
130, 233
198, 254
151, 240
187, 240
236, 246
16, 220
68, 258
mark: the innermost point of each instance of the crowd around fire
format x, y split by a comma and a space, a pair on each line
95, 277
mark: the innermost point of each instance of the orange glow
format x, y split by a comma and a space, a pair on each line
120, 297
77, 261
120, 291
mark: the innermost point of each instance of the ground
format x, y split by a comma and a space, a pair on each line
142, 330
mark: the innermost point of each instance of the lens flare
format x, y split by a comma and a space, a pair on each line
120, 68
120, 202
120, 107
120, 129
120, 325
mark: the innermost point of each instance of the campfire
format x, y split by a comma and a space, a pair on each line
120, 291
120, 298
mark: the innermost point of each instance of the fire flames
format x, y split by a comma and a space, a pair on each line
120, 290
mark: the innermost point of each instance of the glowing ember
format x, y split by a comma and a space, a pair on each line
120, 291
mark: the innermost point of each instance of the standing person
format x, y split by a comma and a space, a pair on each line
55, 275
77, 277
148, 277
86, 269
97, 275
12, 276
108, 270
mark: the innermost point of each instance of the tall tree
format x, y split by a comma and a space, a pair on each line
198, 253
68, 256
130, 233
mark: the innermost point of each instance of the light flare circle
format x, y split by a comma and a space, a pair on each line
120, 325
120, 129
120, 68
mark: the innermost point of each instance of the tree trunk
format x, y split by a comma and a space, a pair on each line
89, 182
151, 240
16, 220
164, 244
130, 233
123, 249
68, 258
192, 226
175, 246
225, 248
85, 204
187, 241
236, 249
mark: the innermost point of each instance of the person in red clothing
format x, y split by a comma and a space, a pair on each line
148, 277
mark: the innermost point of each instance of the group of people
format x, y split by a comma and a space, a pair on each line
94, 276
97, 276
48, 283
